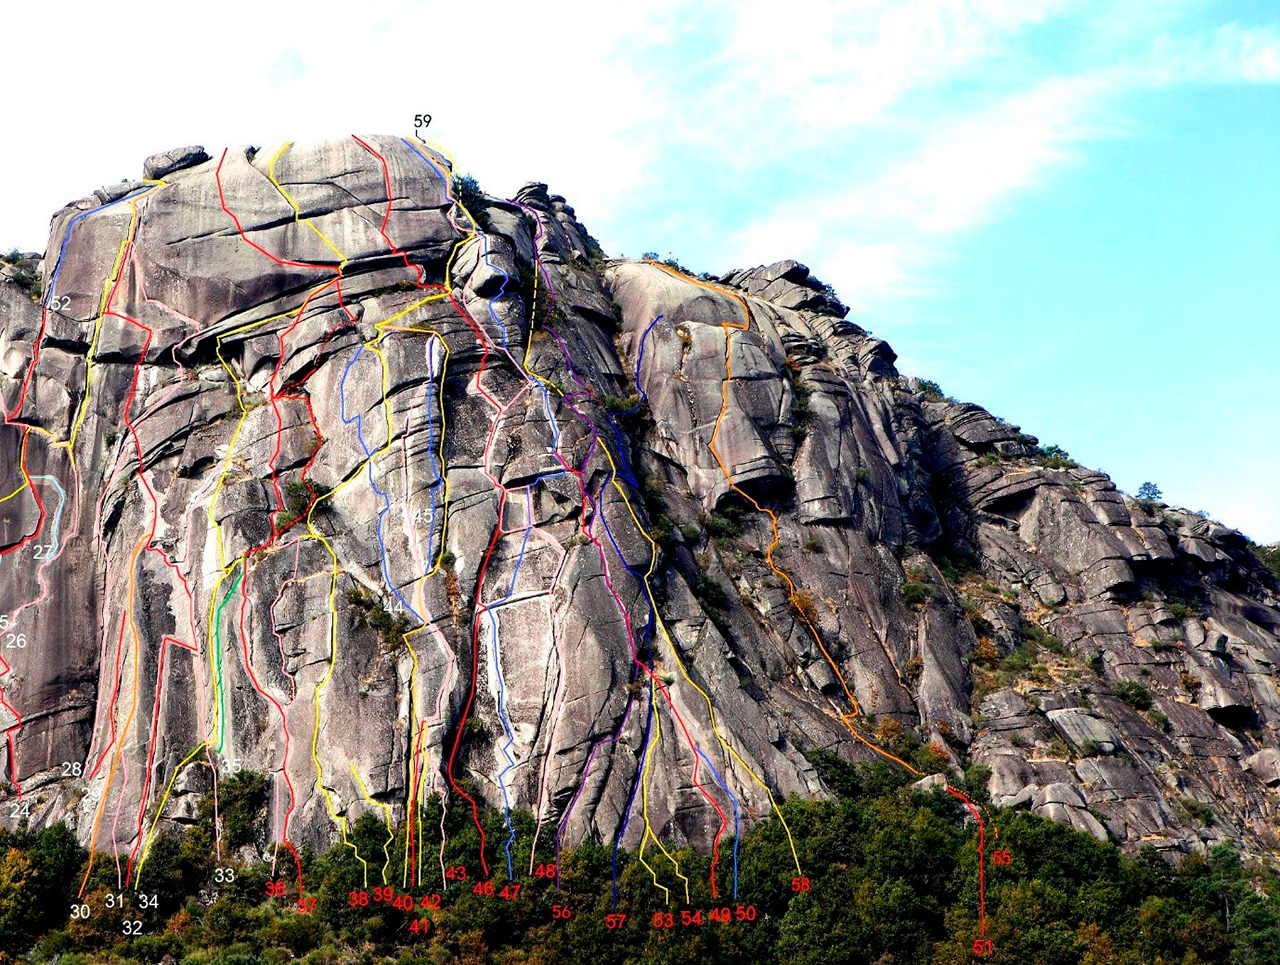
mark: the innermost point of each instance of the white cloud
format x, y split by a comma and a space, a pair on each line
865, 136
964, 168
832, 63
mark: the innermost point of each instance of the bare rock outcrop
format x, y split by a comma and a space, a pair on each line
310, 477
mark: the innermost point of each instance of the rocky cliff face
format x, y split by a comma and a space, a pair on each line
304, 475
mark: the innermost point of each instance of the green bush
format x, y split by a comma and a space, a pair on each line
709, 591
1022, 659
1269, 556
301, 497
1036, 634
1197, 811
932, 391
953, 560
467, 192
1134, 694
725, 523
620, 403
1054, 457
914, 593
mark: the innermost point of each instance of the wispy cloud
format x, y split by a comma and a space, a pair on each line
887, 131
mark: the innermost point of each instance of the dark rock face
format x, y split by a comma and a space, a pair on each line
166, 162
309, 478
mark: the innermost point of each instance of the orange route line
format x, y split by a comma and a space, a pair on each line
846, 719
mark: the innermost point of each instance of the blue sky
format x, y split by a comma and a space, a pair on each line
1065, 210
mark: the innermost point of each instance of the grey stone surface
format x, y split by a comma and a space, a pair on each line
175, 159
614, 434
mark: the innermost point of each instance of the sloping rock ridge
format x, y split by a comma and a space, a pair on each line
303, 475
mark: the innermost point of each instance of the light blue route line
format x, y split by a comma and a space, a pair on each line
628, 476
62, 501
497, 669
386, 500
561, 471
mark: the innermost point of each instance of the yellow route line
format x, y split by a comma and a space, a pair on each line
222, 477
133, 708
107, 287
386, 810
313, 533
657, 734
417, 771
661, 623
644, 778
22, 461
846, 719
297, 213
372, 346
146, 847
654, 737
338, 820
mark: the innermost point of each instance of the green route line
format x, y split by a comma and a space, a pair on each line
217, 638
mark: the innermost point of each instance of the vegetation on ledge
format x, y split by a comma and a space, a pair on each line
888, 875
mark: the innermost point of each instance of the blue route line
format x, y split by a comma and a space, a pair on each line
497, 669
386, 500
57, 268
486, 254
628, 476
648, 639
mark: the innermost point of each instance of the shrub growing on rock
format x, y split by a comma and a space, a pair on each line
1134, 694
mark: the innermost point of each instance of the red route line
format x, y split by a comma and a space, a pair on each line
26, 432
480, 606
416, 760
26, 475
151, 746
728, 328
149, 543
475, 623
982, 883
111, 717
626, 615
275, 395
654, 678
